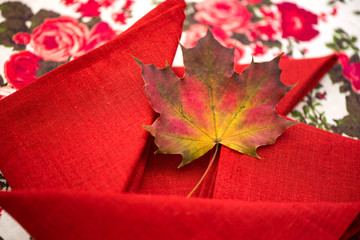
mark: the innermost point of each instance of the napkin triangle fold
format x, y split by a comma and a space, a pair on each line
75, 136
80, 126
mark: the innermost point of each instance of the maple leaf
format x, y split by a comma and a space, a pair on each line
213, 104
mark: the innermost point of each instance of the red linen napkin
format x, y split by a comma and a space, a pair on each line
80, 126
88, 215
72, 144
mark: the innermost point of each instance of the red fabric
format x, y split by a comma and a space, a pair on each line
81, 145
84, 215
305, 164
79, 127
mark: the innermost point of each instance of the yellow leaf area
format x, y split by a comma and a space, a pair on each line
212, 104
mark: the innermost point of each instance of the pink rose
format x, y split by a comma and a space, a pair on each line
297, 22
22, 38
229, 15
352, 73
99, 34
20, 69
197, 31
59, 38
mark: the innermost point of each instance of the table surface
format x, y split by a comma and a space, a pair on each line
39, 35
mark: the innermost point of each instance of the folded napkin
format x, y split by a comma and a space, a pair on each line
81, 166
80, 126
90, 215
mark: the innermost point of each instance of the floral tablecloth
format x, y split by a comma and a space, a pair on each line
40, 35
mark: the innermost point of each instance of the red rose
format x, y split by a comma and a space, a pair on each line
99, 34
229, 15
59, 38
352, 73
297, 22
20, 69
22, 38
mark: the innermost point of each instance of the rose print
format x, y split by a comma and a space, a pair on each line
20, 69
22, 38
229, 15
59, 38
93, 8
297, 22
352, 73
89, 9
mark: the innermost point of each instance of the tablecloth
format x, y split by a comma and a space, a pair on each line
42, 35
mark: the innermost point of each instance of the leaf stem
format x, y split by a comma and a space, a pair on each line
206, 171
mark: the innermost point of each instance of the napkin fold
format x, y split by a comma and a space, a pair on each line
80, 126
73, 147
88, 215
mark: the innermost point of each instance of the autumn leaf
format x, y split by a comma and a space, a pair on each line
213, 104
